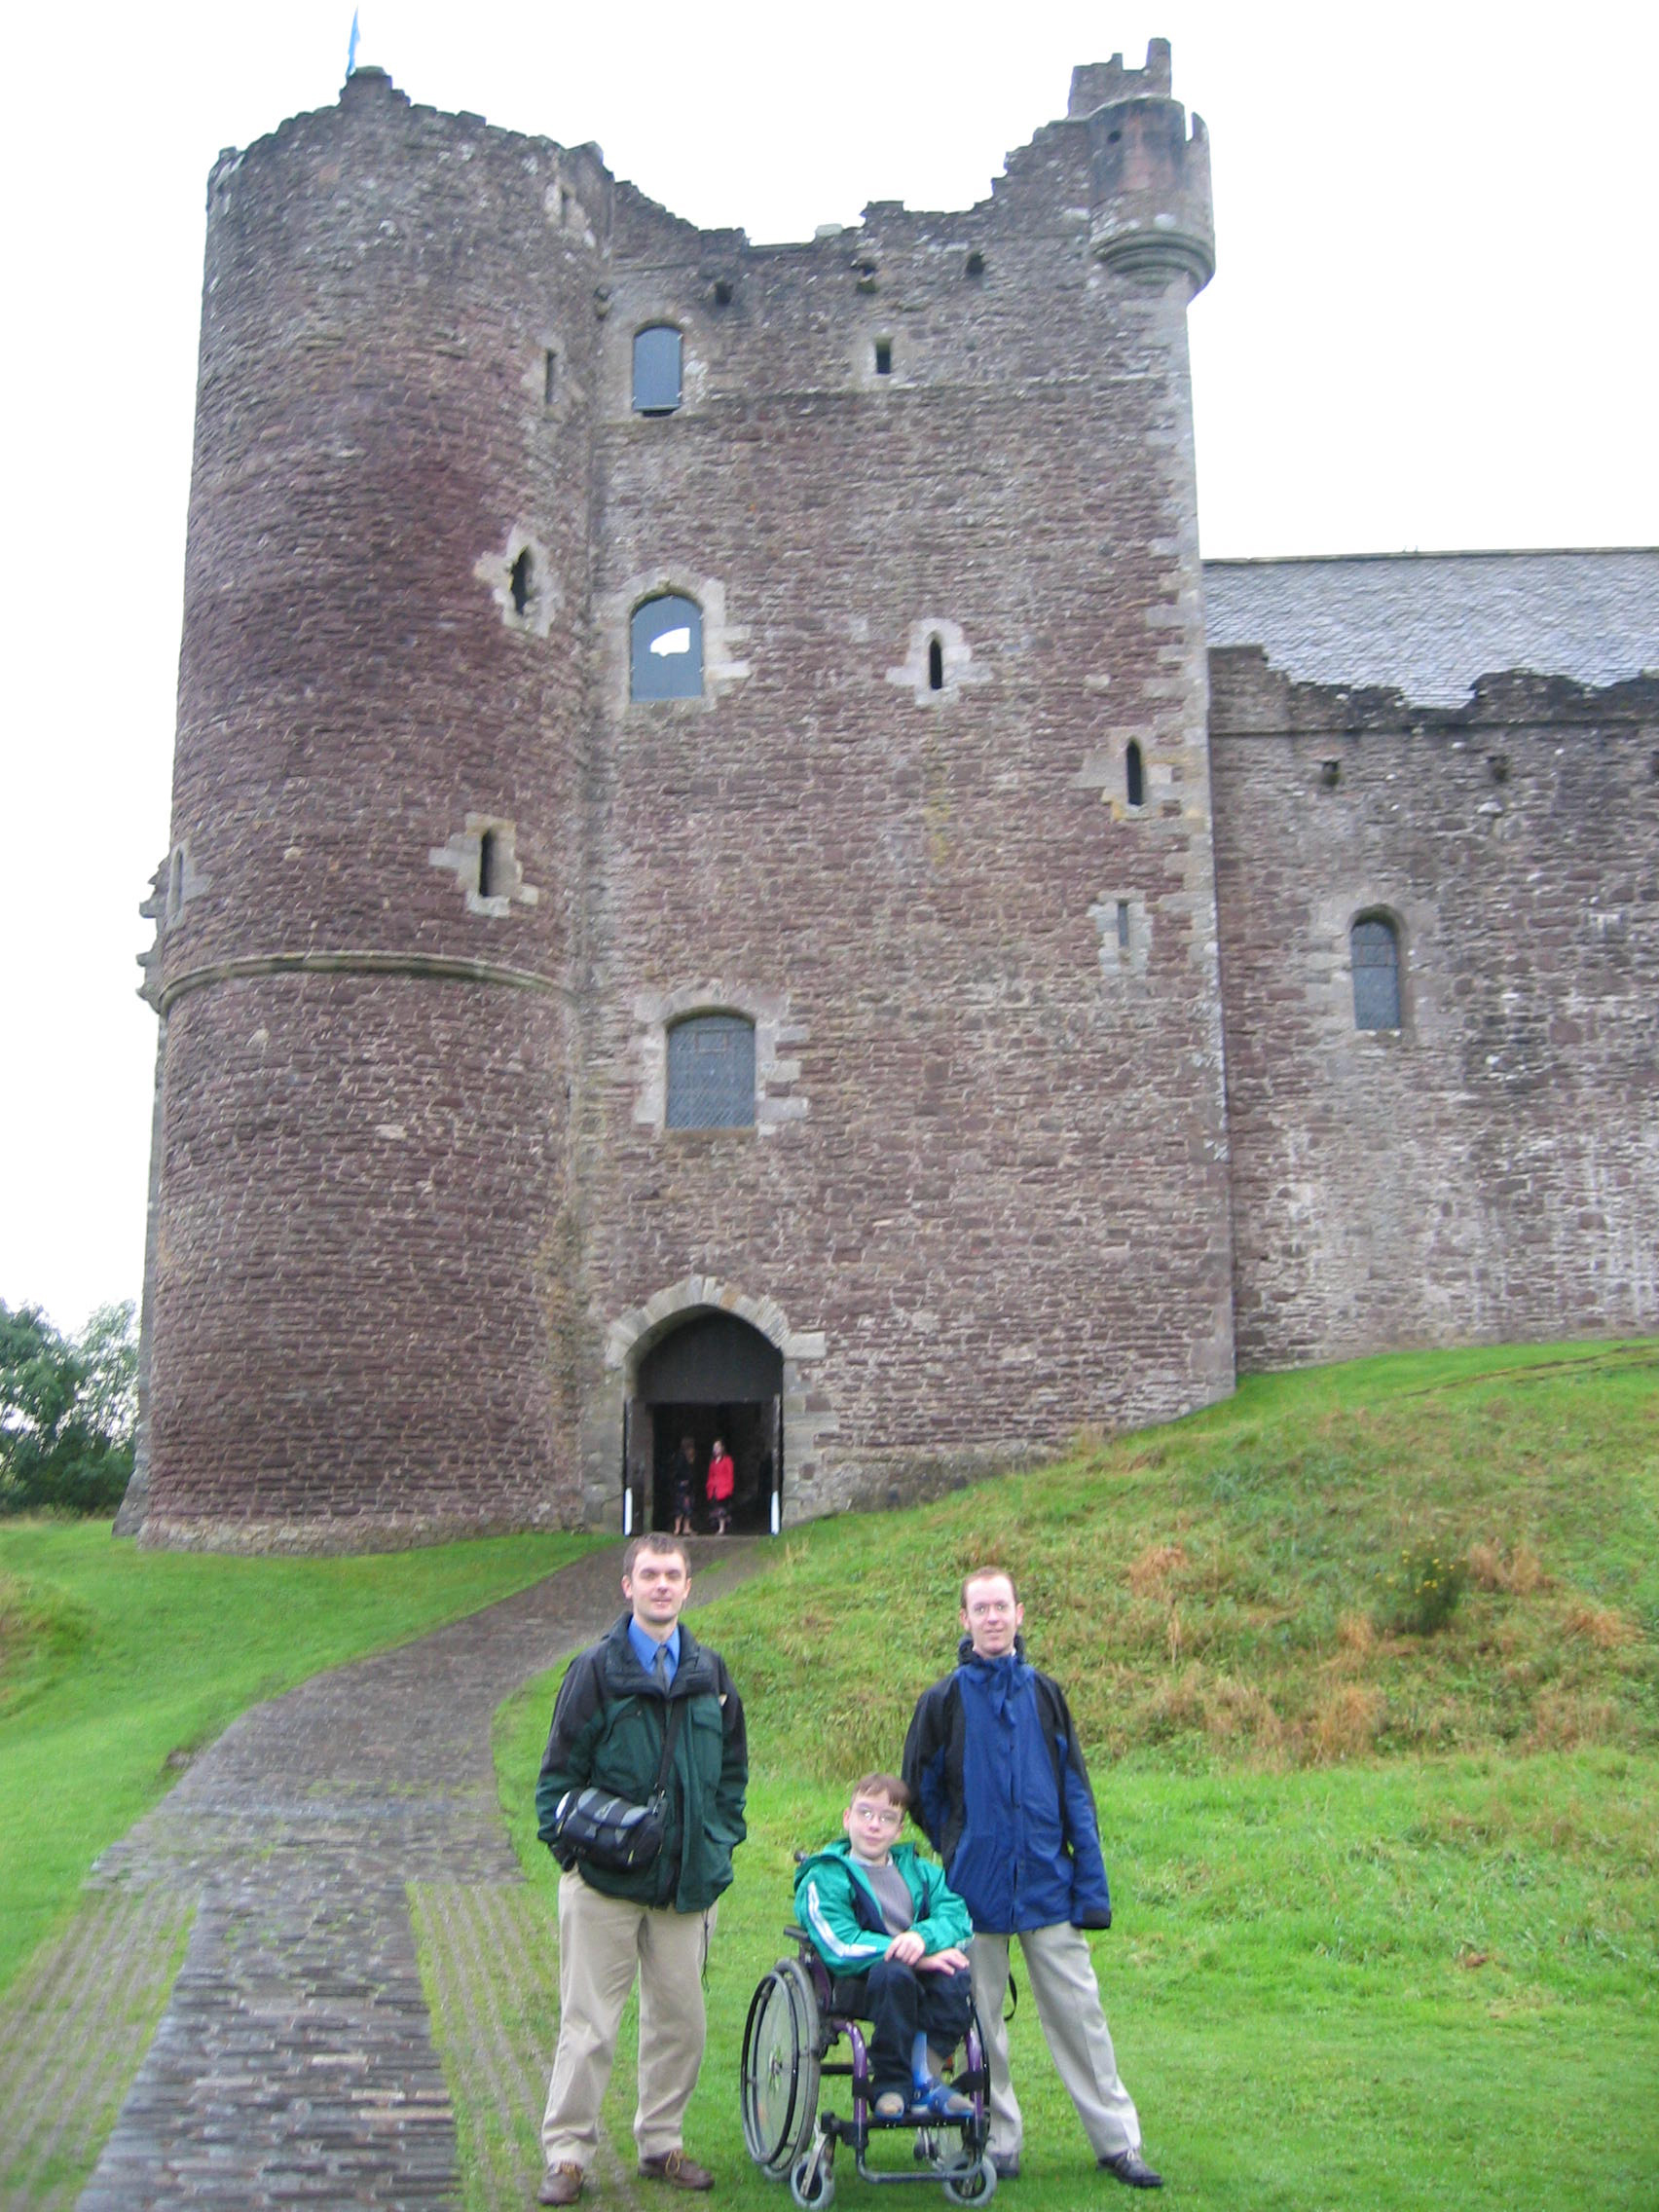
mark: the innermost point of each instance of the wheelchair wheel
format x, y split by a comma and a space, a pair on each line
779, 2080
812, 2183
977, 2186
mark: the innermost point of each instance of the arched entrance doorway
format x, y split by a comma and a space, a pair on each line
712, 1375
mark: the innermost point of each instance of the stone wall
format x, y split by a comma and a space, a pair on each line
988, 1177
1489, 1170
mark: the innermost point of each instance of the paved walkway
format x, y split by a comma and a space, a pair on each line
294, 2062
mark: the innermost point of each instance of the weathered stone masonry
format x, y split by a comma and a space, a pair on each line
440, 887
1490, 1168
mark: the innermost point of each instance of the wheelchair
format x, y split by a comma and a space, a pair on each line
796, 2018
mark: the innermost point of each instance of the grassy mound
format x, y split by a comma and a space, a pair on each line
41, 1629
1249, 1584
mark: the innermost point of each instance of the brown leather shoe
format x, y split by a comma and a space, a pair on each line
678, 2170
560, 2185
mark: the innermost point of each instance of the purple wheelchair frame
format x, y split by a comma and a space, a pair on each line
796, 2018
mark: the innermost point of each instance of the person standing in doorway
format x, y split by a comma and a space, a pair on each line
612, 1728
721, 1482
684, 1486
997, 1783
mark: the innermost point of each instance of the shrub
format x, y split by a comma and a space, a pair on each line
1427, 1589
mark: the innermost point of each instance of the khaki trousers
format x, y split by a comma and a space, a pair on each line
1061, 1976
602, 1944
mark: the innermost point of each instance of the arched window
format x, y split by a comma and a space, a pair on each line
1374, 944
1135, 774
936, 664
668, 649
656, 370
711, 1073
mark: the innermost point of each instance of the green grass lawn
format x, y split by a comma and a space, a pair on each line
114, 1661
1386, 1911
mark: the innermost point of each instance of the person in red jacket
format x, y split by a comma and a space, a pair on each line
721, 1482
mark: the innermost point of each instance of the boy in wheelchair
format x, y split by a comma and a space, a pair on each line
890, 1930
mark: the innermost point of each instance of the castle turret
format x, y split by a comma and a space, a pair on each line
362, 1247
1151, 214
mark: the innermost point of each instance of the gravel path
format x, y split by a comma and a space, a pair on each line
294, 2062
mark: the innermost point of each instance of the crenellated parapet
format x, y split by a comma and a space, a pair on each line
1151, 214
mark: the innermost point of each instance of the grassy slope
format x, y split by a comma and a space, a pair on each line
112, 1658
1387, 1924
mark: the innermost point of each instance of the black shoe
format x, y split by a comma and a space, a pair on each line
1006, 2164
1131, 2169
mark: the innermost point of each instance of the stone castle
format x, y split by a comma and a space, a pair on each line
733, 873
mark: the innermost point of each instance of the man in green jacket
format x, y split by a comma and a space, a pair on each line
884, 1920
608, 1732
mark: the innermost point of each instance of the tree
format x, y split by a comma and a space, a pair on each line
69, 1410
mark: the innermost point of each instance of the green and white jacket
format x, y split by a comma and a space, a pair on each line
839, 1910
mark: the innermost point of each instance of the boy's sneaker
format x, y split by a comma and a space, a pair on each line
891, 2105
940, 2101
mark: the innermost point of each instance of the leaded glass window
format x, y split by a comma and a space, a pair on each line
711, 1073
668, 649
1375, 947
656, 370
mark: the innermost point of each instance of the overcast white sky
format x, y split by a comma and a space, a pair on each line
1433, 325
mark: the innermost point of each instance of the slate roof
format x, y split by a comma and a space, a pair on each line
1429, 624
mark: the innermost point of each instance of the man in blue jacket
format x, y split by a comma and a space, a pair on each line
998, 1784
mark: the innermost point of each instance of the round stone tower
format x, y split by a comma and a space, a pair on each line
363, 1266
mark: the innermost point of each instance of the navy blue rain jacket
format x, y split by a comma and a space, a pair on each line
1002, 1792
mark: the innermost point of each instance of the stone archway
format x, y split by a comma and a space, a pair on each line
621, 1444
710, 1377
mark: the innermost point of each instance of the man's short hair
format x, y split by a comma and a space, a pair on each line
988, 1574
886, 1786
659, 1545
